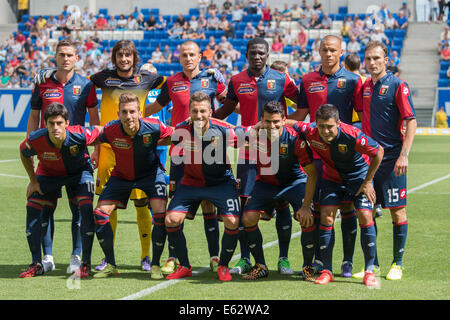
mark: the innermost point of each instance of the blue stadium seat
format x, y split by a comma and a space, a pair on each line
25, 18
340, 16
103, 11
389, 33
343, 10
442, 83
145, 12
194, 11
443, 74
154, 11
445, 65
399, 33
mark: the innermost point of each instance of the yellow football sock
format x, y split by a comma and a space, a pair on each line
113, 222
144, 222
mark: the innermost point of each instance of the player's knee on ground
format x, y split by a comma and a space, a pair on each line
250, 218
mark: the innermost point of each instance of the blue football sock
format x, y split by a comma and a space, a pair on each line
307, 242
283, 224
87, 228
105, 235
400, 232
159, 235
229, 243
76, 224
211, 226
255, 240
34, 230
177, 239
349, 228
48, 228
369, 245
326, 245
316, 215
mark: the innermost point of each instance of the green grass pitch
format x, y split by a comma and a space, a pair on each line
426, 259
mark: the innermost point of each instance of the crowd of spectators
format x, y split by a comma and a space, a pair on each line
21, 55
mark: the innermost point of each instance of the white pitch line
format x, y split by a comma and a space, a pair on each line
10, 160
169, 283
12, 176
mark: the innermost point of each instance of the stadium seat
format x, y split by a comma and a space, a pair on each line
442, 83
343, 10
399, 33
103, 11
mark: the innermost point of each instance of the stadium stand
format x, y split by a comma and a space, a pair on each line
32, 46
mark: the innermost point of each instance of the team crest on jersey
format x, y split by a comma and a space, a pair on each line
179, 88
342, 148
52, 94
113, 82
271, 84
147, 138
342, 83
76, 90
74, 150
384, 90
318, 145
137, 78
316, 87
121, 143
204, 83
50, 156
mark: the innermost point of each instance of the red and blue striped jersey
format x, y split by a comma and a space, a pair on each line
179, 88
384, 106
340, 89
76, 95
292, 152
253, 93
346, 159
136, 156
205, 157
71, 159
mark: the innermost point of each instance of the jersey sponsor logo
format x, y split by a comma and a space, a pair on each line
74, 150
76, 90
367, 92
179, 88
402, 193
342, 83
147, 139
318, 145
204, 83
363, 141
383, 90
246, 90
50, 156
406, 91
316, 87
342, 148
113, 82
121, 143
271, 84
52, 94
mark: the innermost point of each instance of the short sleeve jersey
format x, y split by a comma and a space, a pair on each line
136, 156
71, 159
346, 158
113, 86
76, 95
384, 106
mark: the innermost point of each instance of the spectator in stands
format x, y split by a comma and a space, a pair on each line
402, 21
31, 22
260, 29
227, 6
157, 56
302, 37
176, 54
161, 24
176, 31
315, 56
270, 30
203, 6
212, 43
249, 31
101, 23
166, 54
364, 38
3, 53
150, 24
305, 55
237, 13
353, 46
445, 40
308, 11
356, 28
122, 22
346, 27
20, 38
252, 6
61, 22
445, 52
406, 11
223, 44
234, 54
393, 64
213, 22
317, 6
326, 22
277, 45
228, 29
378, 35
286, 13
180, 19
212, 8
41, 23
316, 22
368, 24
131, 23
52, 22
89, 22
208, 53
23, 7
296, 12
5, 79
112, 23
383, 13
266, 13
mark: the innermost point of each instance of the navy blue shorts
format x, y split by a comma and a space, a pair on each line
391, 190
118, 190
245, 177
80, 186
333, 194
224, 196
265, 197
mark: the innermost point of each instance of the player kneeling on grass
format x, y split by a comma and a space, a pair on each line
133, 140
347, 177
207, 176
63, 161
282, 160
